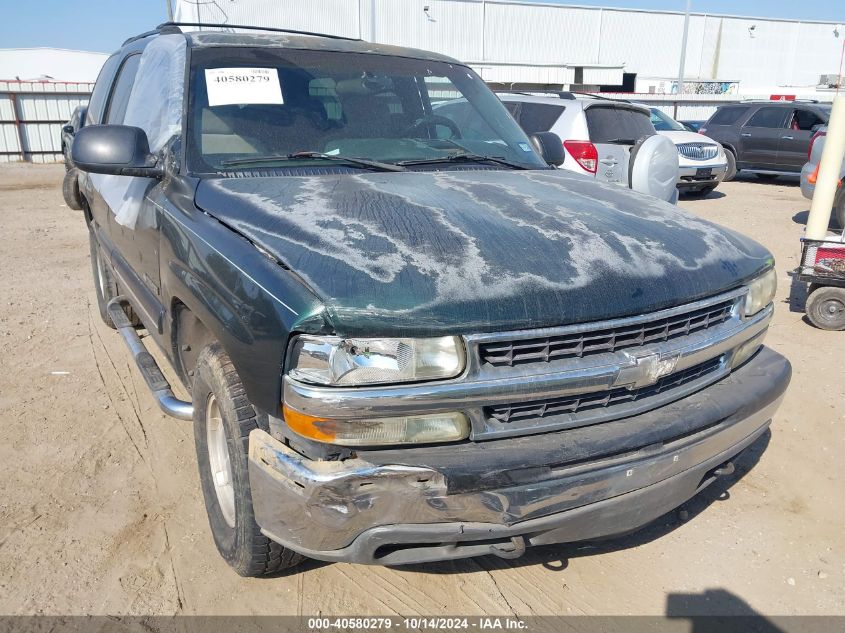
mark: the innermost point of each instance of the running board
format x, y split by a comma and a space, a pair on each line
147, 365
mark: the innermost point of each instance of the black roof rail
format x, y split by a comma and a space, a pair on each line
247, 27
530, 92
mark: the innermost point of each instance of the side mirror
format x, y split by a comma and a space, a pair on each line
120, 150
550, 147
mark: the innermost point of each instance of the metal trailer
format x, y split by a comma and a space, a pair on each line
823, 268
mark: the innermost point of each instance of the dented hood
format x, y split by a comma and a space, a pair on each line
461, 251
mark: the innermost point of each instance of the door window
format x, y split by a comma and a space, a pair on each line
122, 90
768, 117
802, 119
612, 124
539, 117
101, 91
727, 115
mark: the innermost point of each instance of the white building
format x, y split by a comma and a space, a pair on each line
55, 64
535, 43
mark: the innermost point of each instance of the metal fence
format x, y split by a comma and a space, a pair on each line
32, 114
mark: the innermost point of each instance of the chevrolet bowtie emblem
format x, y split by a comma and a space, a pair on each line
645, 370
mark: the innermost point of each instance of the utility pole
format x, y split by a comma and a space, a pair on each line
169, 10
684, 49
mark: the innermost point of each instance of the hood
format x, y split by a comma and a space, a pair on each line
467, 251
685, 136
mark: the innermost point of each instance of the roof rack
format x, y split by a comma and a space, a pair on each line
561, 94
248, 27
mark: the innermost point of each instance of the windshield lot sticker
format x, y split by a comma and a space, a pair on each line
240, 86
525, 147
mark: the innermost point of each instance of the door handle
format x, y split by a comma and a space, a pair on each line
746, 134
788, 138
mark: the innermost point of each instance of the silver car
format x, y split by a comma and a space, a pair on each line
811, 170
613, 141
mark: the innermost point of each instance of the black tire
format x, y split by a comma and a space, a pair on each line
826, 308
700, 193
837, 216
105, 286
218, 389
70, 190
731, 172
767, 177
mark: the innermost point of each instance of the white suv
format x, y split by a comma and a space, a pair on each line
611, 140
702, 161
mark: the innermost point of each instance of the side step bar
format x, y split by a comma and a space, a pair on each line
147, 365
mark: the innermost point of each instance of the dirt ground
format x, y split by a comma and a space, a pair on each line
101, 510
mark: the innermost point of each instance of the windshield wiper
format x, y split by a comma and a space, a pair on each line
359, 162
619, 141
460, 158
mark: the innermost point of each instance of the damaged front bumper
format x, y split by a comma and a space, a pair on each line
496, 497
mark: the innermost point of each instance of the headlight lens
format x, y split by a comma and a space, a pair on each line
761, 292
331, 360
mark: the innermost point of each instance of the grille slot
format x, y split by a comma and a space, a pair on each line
537, 410
698, 151
603, 340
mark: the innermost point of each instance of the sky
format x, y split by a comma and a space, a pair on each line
102, 25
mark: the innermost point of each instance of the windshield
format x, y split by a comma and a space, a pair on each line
664, 123
254, 108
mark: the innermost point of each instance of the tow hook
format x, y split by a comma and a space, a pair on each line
504, 551
725, 469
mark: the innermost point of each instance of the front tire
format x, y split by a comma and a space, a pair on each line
223, 419
731, 172
70, 189
826, 308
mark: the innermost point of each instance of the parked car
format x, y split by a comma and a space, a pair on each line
404, 338
603, 139
701, 161
692, 126
810, 171
766, 138
69, 129
70, 185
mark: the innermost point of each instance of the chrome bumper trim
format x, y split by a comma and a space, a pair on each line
321, 506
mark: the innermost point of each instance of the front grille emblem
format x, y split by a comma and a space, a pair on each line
645, 370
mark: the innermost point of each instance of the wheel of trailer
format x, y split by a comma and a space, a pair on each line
70, 190
826, 308
223, 419
105, 286
731, 172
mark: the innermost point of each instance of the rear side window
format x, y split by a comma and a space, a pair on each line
768, 117
617, 125
727, 115
101, 91
122, 90
538, 117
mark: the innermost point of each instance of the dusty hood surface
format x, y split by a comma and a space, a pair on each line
424, 252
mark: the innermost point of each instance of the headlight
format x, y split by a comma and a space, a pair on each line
761, 292
331, 360
411, 429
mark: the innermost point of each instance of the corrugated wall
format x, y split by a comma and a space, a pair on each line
519, 34
32, 115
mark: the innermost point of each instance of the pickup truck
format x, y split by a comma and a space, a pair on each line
405, 338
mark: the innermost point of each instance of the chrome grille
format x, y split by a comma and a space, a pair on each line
604, 340
698, 151
531, 411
